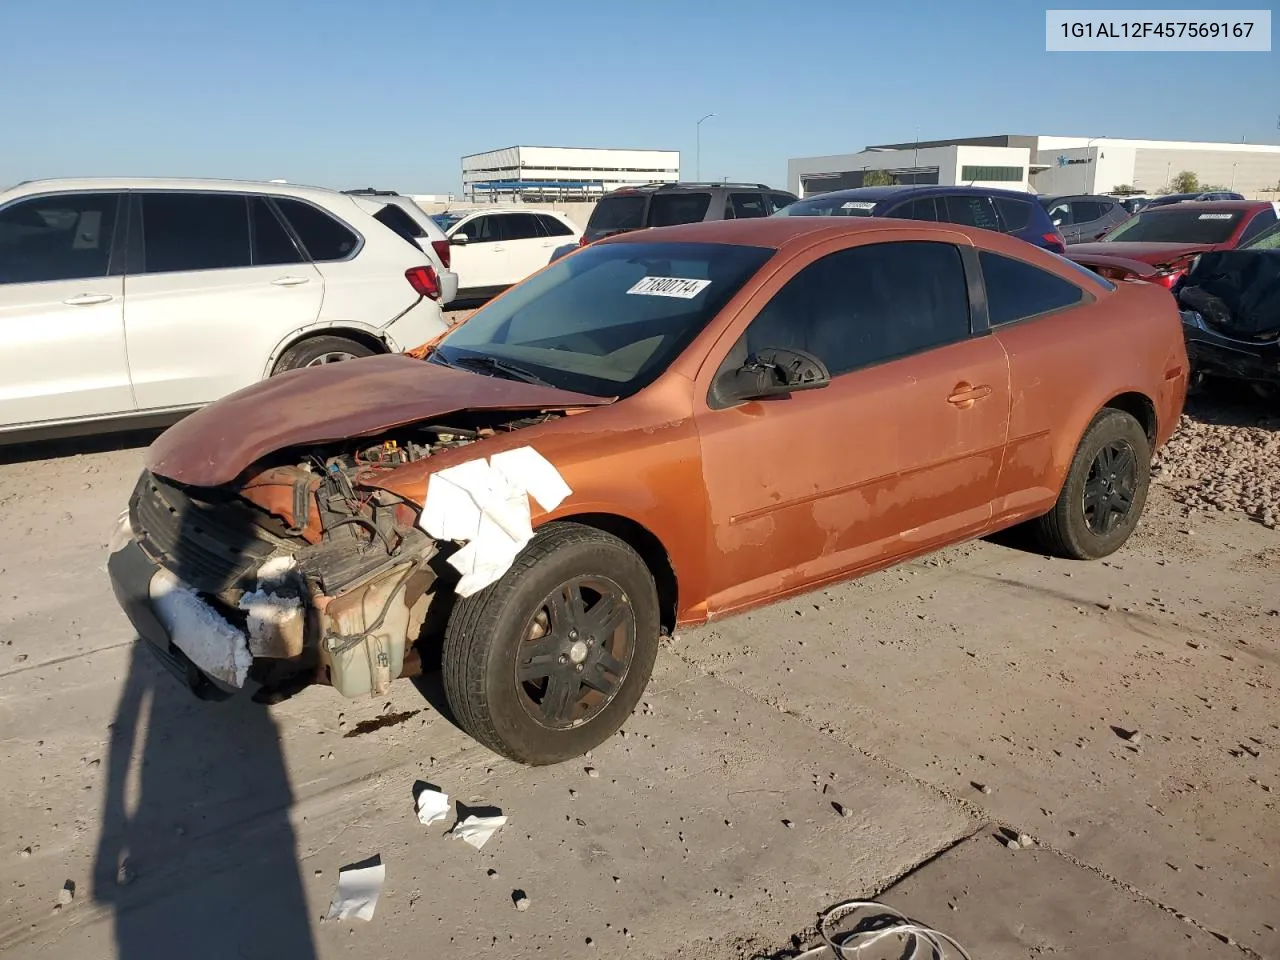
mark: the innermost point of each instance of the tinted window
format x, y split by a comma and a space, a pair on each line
1086, 211
271, 241
610, 318
779, 200
618, 213
970, 211
667, 209
1269, 239
1014, 214
520, 226
194, 231
747, 205
324, 237
868, 304
400, 222
1259, 223
66, 237
482, 230
1176, 223
922, 209
554, 227
1017, 290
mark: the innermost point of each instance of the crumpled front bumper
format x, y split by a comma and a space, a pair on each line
131, 572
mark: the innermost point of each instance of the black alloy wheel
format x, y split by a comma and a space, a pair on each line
1110, 487
576, 651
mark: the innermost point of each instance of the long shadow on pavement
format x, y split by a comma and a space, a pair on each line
197, 856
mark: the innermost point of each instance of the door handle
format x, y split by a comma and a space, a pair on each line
289, 281
87, 298
963, 394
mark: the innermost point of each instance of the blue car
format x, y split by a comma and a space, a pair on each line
1005, 211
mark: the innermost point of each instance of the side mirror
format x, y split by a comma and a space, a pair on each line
459, 239
773, 372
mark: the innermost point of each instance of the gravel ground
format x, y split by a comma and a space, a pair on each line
1221, 466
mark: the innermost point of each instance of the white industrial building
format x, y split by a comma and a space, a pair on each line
1048, 165
562, 173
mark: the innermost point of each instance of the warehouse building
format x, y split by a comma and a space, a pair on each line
1048, 165
539, 174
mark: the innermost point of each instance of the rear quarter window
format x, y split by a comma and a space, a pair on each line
323, 236
1017, 290
618, 213
1014, 214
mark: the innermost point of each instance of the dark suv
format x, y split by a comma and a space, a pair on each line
1082, 218
667, 204
1005, 211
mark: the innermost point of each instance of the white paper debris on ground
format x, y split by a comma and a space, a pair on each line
485, 504
432, 806
199, 631
358, 889
477, 830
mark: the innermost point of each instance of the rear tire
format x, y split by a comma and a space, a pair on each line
1104, 493
526, 658
320, 350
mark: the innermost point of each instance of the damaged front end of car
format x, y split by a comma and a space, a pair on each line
1230, 307
302, 570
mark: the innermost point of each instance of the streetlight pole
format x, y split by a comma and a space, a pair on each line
697, 170
1233, 176
1085, 177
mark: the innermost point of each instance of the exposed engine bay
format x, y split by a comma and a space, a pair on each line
328, 577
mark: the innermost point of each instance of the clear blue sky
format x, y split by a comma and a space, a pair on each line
391, 93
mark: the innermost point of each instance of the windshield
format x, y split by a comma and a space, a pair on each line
618, 213
446, 220
1268, 239
1176, 224
609, 319
828, 205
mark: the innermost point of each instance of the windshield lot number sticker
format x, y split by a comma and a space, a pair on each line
1216, 216
669, 287
857, 205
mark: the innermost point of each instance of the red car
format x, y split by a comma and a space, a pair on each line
1169, 237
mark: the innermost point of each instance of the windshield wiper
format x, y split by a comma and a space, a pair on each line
501, 366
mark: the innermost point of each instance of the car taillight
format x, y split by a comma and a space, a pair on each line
1055, 242
424, 281
443, 251
1168, 278
583, 241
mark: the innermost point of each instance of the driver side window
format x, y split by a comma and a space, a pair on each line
867, 305
481, 230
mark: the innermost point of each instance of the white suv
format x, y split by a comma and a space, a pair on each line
406, 218
130, 302
493, 249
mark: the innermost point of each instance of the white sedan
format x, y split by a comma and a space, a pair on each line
493, 249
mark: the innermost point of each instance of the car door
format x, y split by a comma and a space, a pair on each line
528, 247
1088, 218
480, 261
62, 347
215, 282
900, 453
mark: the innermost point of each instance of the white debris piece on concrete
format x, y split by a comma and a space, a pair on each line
357, 893
432, 806
485, 503
199, 631
477, 830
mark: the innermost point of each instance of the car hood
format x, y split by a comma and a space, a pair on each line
1152, 253
334, 402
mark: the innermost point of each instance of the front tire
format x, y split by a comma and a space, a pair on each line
549, 661
1104, 493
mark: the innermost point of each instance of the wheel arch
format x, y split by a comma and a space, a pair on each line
361, 335
651, 550
1139, 406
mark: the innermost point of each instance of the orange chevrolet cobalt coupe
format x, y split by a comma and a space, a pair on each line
661, 428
